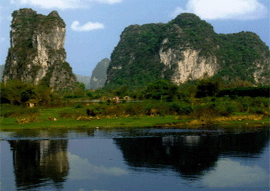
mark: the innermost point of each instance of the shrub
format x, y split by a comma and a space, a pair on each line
204, 114
78, 106
133, 109
260, 102
17, 111
71, 112
252, 104
161, 89
181, 108
32, 117
224, 107
206, 87
73, 96
90, 112
256, 110
244, 103
246, 91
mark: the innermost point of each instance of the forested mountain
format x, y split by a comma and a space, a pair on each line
186, 48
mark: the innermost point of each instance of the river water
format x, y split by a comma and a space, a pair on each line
134, 159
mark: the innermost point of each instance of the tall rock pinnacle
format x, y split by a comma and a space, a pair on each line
37, 53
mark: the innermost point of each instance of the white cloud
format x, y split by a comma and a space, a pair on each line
49, 4
86, 27
229, 173
225, 9
80, 168
62, 4
109, 1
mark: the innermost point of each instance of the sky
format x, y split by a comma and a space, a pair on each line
93, 27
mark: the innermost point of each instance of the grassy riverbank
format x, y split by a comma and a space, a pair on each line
124, 115
144, 121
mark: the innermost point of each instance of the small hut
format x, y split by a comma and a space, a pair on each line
31, 103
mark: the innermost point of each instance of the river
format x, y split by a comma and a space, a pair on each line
134, 159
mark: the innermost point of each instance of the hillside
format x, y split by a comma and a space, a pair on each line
186, 48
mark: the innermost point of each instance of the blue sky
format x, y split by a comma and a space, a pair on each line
94, 26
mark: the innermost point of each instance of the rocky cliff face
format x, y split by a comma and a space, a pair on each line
98, 77
191, 67
37, 53
186, 48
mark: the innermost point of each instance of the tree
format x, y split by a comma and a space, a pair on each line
17, 92
161, 89
207, 87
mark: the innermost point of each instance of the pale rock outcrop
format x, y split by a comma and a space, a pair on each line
188, 66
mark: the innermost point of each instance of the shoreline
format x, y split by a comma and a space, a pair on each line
169, 121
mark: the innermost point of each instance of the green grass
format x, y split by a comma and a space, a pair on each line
264, 122
144, 121
44, 122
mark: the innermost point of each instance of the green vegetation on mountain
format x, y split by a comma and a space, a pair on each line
239, 55
136, 59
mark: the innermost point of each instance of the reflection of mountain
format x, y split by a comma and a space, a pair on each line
243, 145
189, 155
39, 163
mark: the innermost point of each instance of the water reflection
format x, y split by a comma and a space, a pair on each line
81, 168
229, 173
73, 160
39, 162
190, 156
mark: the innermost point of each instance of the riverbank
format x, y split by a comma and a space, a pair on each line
169, 121
193, 113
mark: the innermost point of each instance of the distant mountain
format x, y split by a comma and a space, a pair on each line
1, 71
99, 74
84, 79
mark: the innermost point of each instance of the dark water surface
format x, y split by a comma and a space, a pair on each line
135, 159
